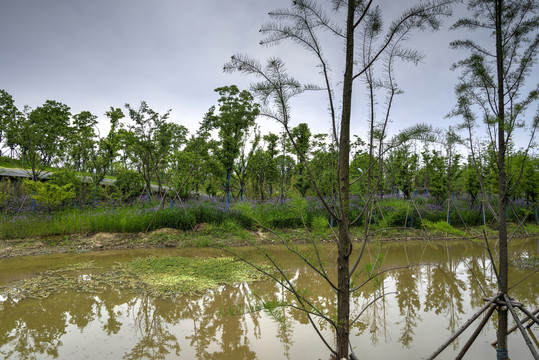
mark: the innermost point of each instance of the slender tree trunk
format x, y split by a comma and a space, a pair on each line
242, 190
227, 187
502, 187
343, 285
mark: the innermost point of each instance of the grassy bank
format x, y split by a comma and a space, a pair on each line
30, 221
230, 234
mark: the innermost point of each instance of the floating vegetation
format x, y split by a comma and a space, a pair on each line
53, 282
167, 277
75, 267
526, 262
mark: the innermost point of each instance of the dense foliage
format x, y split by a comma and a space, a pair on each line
166, 156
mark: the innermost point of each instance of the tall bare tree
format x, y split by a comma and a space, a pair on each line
355, 23
492, 81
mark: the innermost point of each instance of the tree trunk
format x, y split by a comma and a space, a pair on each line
227, 187
343, 285
502, 187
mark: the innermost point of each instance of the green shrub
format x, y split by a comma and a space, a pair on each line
49, 194
83, 191
5, 192
319, 226
442, 227
129, 184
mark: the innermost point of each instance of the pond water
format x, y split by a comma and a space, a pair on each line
423, 305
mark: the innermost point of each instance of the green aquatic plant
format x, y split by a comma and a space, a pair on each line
163, 277
172, 276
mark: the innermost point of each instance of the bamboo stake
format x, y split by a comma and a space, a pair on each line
476, 332
529, 314
464, 327
533, 337
521, 328
514, 327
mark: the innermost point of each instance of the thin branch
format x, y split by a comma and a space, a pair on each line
369, 304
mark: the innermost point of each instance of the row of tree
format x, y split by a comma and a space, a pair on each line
228, 154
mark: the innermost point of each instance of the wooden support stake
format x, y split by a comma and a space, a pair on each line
533, 337
521, 328
476, 333
530, 315
464, 327
514, 327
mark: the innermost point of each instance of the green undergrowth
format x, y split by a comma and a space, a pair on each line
442, 228
161, 277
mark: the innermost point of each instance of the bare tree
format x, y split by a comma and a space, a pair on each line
492, 81
359, 25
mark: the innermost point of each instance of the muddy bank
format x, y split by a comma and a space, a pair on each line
203, 235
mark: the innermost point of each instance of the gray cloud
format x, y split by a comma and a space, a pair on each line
95, 54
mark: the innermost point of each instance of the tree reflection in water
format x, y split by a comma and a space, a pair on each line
30, 328
406, 283
154, 339
212, 328
203, 327
444, 291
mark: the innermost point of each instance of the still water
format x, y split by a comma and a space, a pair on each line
423, 305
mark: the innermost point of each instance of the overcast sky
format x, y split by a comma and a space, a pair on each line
93, 54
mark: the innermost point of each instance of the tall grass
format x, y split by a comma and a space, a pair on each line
30, 221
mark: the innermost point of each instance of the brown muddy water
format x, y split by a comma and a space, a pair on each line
423, 305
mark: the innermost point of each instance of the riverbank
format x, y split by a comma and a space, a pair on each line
204, 235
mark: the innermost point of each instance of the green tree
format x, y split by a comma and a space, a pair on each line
301, 135
285, 165
523, 176
272, 144
233, 118
272, 147
199, 153
154, 138
183, 165
530, 180
402, 165
359, 172
263, 170
107, 147
13, 133
82, 140
435, 166
43, 135
492, 82
471, 181
323, 164
241, 165
8, 114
